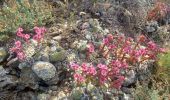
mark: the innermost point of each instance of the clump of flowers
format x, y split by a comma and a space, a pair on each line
18, 47
159, 11
120, 53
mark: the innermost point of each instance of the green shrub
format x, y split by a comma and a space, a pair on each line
24, 13
143, 92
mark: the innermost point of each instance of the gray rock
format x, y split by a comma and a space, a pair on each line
130, 78
126, 90
3, 54
44, 70
7, 81
151, 26
23, 64
2, 71
28, 78
145, 69
126, 97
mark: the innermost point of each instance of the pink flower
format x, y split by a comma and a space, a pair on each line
92, 70
116, 63
37, 37
110, 37
20, 55
151, 45
43, 30
19, 34
37, 30
124, 64
74, 66
20, 30
142, 52
115, 71
162, 50
84, 67
141, 38
102, 79
18, 44
90, 48
112, 46
106, 41
104, 72
117, 83
101, 66
79, 78
103, 69
27, 36
127, 49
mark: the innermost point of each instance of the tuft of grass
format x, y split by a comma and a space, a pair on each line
24, 13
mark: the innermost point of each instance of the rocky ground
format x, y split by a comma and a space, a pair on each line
44, 74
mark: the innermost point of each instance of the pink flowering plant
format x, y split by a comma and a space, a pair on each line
119, 52
18, 48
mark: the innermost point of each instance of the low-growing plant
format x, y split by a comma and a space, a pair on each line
24, 13
119, 53
159, 11
25, 38
143, 92
163, 67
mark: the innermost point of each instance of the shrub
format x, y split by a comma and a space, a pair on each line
118, 52
25, 13
143, 92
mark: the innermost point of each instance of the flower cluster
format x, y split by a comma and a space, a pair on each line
20, 34
159, 10
99, 74
39, 33
120, 53
18, 48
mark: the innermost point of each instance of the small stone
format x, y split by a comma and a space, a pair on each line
57, 38
71, 57
3, 54
58, 55
85, 25
23, 64
130, 78
61, 95
43, 96
44, 70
